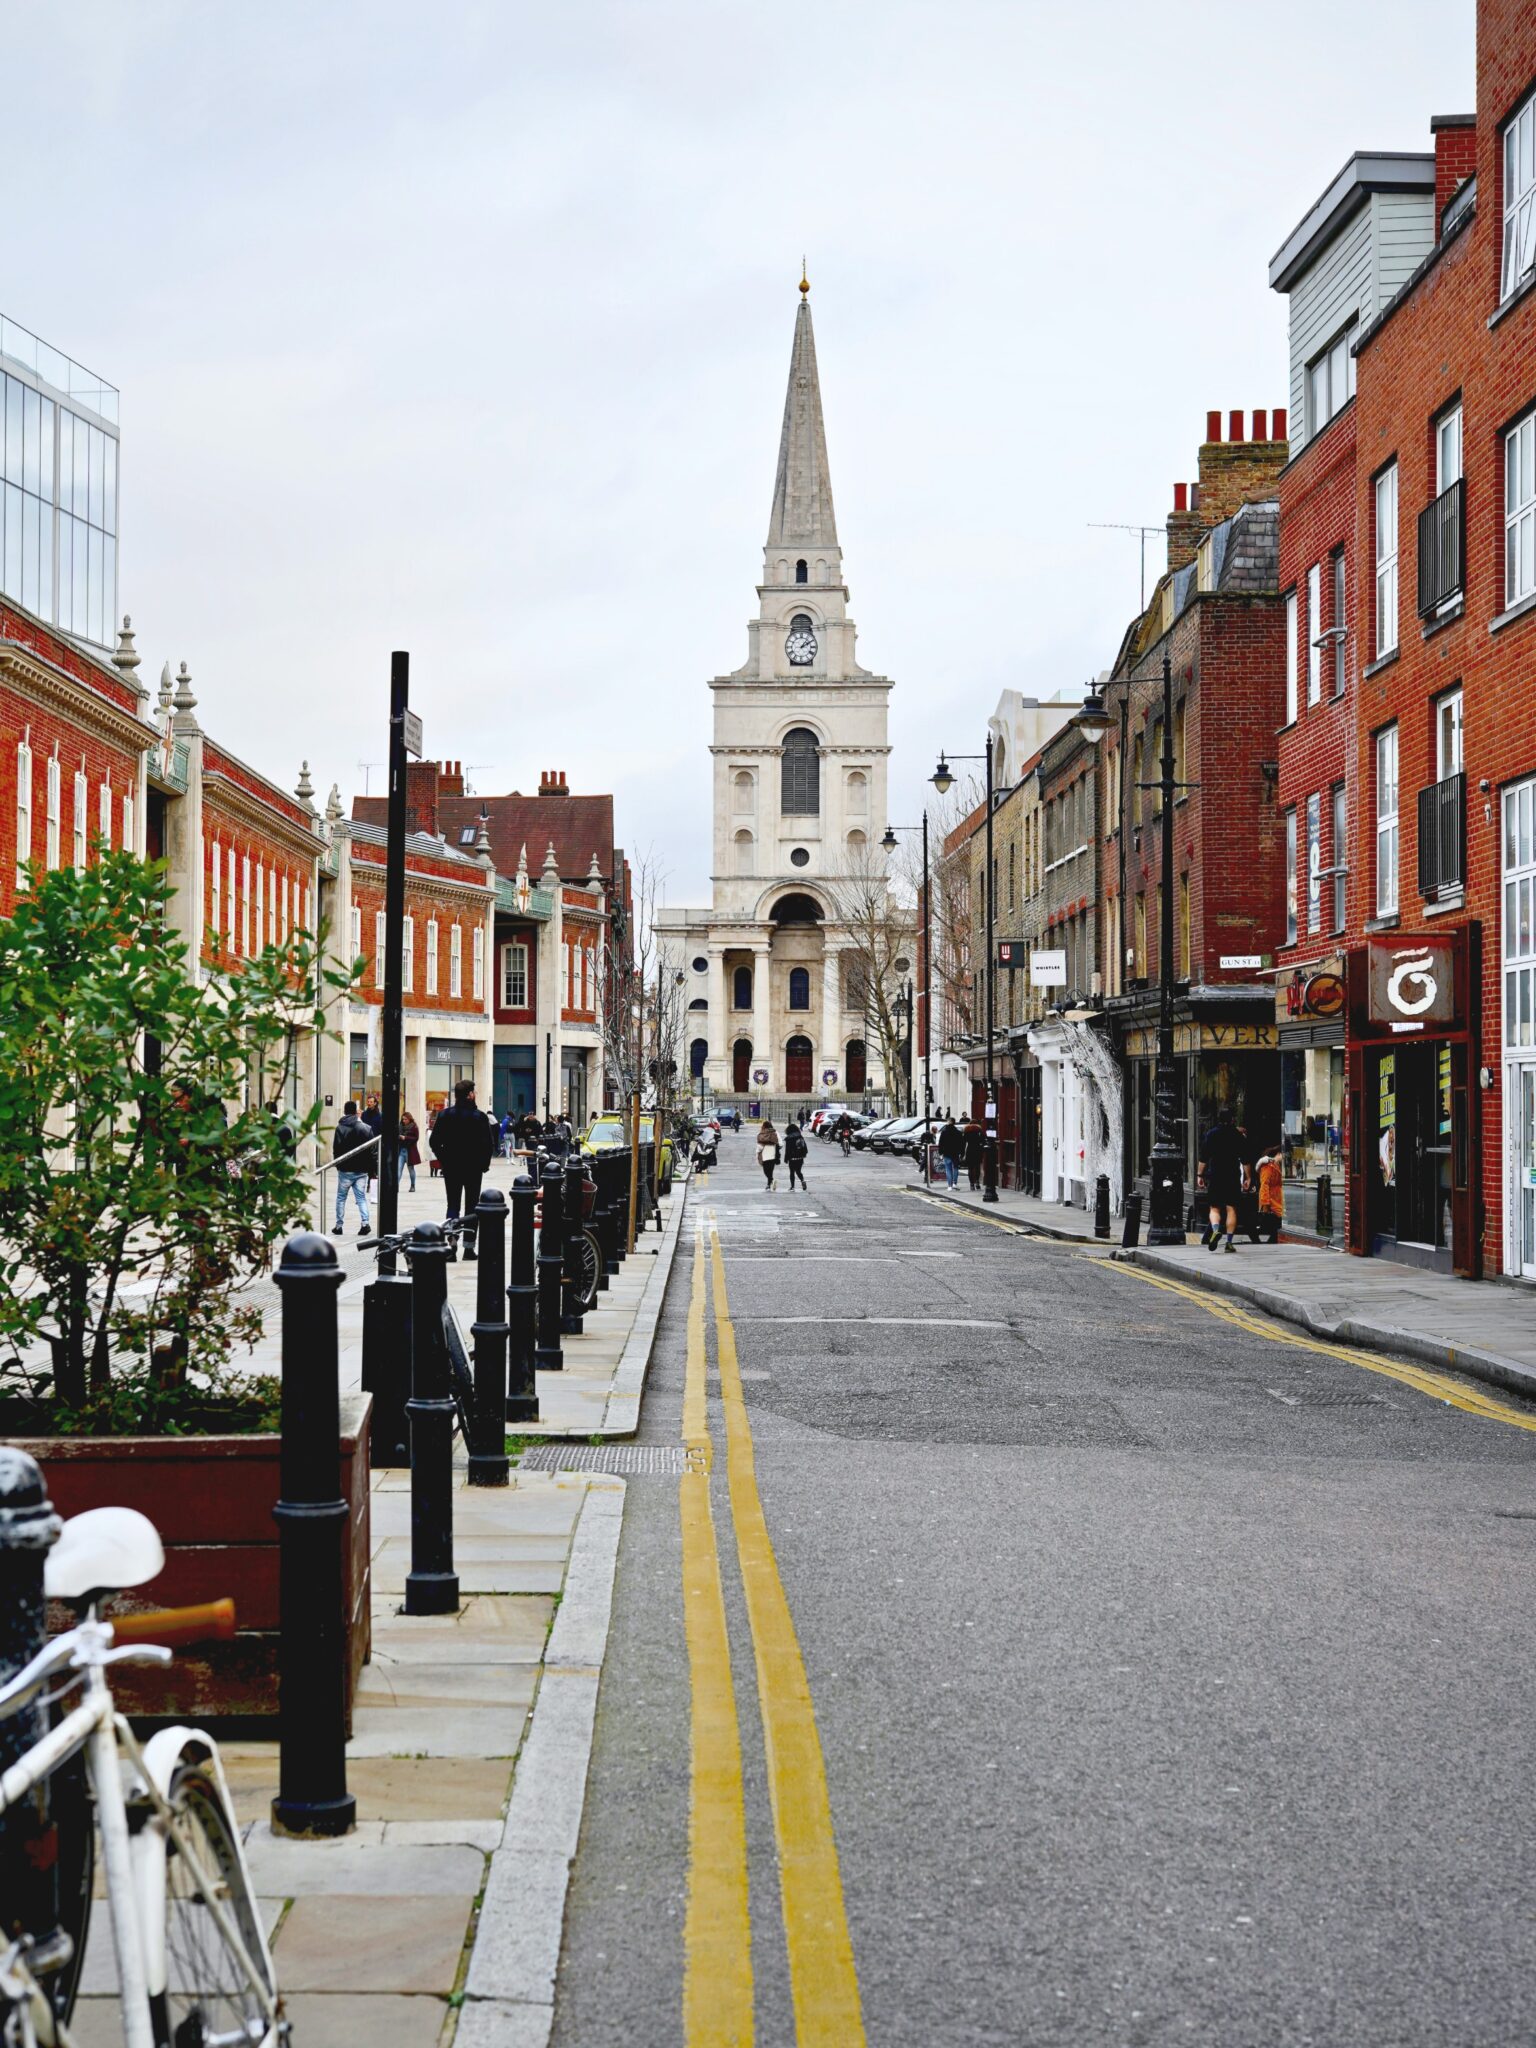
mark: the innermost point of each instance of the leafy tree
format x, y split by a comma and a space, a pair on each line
135, 1197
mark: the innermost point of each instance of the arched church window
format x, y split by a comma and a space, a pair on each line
699, 1003
698, 1054
799, 988
741, 989
802, 575
856, 844
743, 853
858, 794
821, 570
801, 780
745, 791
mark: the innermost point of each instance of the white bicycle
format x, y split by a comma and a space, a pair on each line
194, 1968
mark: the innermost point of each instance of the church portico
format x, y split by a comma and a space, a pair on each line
799, 792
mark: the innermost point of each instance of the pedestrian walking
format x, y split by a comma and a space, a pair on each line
464, 1139
975, 1143
1271, 1180
373, 1117
507, 1134
1221, 1157
951, 1150
356, 1169
794, 1156
767, 1151
410, 1149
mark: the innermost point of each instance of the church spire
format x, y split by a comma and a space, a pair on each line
802, 514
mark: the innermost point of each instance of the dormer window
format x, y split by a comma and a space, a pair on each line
1331, 380
802, 574
466, 835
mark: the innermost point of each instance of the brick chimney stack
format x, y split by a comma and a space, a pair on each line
451, 779
1455, 157
1185, 525
552, 782
1236, 471
421, 793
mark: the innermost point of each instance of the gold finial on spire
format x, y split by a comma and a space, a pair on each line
805, 282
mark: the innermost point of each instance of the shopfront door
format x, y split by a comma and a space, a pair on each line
1415, 1098
1525, 1172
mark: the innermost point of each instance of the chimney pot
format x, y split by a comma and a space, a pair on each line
1235, 425
1277, 423
1181, 497
1213, 426
1194, 497
1260, 423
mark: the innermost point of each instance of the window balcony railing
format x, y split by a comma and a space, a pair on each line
1442, 837
1442, 549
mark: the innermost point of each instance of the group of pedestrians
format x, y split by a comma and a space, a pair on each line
1230, 1169
462, 1140
961, 1144
794, 1150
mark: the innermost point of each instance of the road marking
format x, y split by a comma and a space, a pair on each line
823, 1981
964, 1209
1423, 1380
717, 1928
905, 1322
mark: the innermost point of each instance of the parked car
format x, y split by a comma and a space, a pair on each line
909, 1138
867, 1139
728, 1119
900, 1129
606, 1133
822, 1119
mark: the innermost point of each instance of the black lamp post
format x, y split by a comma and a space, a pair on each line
1167, 1162
943, 781
889, 843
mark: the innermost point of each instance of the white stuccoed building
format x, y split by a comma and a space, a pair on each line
799, 798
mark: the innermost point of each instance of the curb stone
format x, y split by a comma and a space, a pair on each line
621, 1417
1488, 1366
510, 1988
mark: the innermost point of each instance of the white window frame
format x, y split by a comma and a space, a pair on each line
1292, 628
1331, 375
1519, 913
129, 834
272, 906
287, 922
1520, 511
1519, 244
1450, 746
431, 956
1314, 863
216, 906
80, 821
511, 966
477, 963
1340, 810
55, 799
1447, 450
1340, 628
355, 934
23, 810
245, 905
229, 899
104, 816
1386, 561
1387, 833
261, 902
1314, 631
408, 955
455, 961
1290, 876
378, 949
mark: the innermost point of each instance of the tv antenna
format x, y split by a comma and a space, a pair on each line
1119, 526
469, 769
365, 766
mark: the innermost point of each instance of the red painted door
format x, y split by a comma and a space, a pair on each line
741, 1065
798, 1077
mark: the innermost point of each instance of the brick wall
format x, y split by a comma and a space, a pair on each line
265, 889
47, 730
424, 905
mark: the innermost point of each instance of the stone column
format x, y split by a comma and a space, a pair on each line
829, 1052
764, 1053
719, 1021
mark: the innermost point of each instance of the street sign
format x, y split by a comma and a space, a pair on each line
1012, 953
413, 734
1229, 960
1048, 970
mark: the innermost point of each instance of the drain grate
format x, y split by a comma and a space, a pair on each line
630, 1459
1328, 1397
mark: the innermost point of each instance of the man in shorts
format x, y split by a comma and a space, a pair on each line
1221, 1157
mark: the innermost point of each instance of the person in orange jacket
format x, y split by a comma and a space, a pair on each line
1271, 1196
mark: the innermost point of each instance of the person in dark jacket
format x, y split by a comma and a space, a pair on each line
975, 1145
951, 1149
354, 1173
410, 1149
464, 1139
1222, 1155
794, 1156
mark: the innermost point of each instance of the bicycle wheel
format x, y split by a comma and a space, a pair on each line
214, 1996
589, 1267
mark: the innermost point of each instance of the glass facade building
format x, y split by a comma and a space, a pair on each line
58, 501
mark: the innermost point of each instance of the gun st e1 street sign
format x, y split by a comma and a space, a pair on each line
413, 734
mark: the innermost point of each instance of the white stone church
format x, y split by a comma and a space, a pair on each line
799, 800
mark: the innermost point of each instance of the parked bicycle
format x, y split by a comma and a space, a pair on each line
194, 1968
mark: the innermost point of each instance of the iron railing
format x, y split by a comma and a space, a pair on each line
1442, 837
1442, 549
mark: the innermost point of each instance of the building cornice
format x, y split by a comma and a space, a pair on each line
249, 810
60, 692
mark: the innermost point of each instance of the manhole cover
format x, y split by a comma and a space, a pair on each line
1318, 1397
630, 1459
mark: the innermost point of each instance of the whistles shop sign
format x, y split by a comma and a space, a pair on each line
1412, 985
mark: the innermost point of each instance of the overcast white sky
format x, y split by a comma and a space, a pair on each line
464, 328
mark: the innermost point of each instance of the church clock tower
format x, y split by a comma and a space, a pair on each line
799, 779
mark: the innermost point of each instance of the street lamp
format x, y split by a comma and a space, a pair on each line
889, 843
943, 781
1167, 1164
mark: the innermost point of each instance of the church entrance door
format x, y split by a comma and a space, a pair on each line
799, 1079
741, 1065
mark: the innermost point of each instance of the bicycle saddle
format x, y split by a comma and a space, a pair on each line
102, 1551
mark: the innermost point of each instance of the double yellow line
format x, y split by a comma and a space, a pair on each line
717, 1932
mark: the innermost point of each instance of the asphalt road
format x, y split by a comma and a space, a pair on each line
1173, 1682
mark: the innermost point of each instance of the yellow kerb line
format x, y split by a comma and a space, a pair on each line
1422, 1379
823, 1981
717, 1928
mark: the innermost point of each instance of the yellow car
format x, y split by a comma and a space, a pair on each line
606, 1133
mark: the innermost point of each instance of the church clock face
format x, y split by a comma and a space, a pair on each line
801, 643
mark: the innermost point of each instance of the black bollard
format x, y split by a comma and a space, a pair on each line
522, 1307
607, 1264
572, 1320
1101, 1206
432, 1584
386, 1371
1325, 1205
608, 1226
311, 1515
29, 1528
488, 1452
1130, 1235
621, 1193
548, 1357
